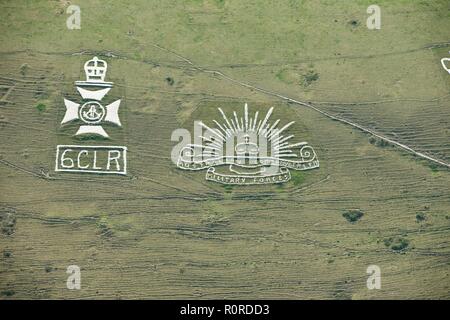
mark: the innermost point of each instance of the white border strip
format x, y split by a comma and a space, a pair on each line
124, 149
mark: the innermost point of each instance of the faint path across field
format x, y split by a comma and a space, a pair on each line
311, 106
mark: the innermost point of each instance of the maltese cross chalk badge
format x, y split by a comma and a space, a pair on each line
92, 113
98, 159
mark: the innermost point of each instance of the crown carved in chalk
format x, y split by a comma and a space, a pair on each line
95, 70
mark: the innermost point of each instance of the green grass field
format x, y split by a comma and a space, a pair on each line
165, 233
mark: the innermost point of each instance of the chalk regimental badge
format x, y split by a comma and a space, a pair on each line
92, 113
247, 150
92, 116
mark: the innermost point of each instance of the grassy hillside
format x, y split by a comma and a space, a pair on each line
161, 232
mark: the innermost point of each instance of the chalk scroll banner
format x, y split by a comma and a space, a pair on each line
283, 176
189, 161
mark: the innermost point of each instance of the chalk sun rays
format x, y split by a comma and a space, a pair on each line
230, 127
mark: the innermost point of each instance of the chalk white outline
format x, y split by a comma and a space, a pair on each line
95, 76
94, 84
283, 158
444, 65
93, 95
123, 148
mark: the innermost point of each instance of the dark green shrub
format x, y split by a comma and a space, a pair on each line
41, 107
420, 217
397, 243
310, 77
353, 215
